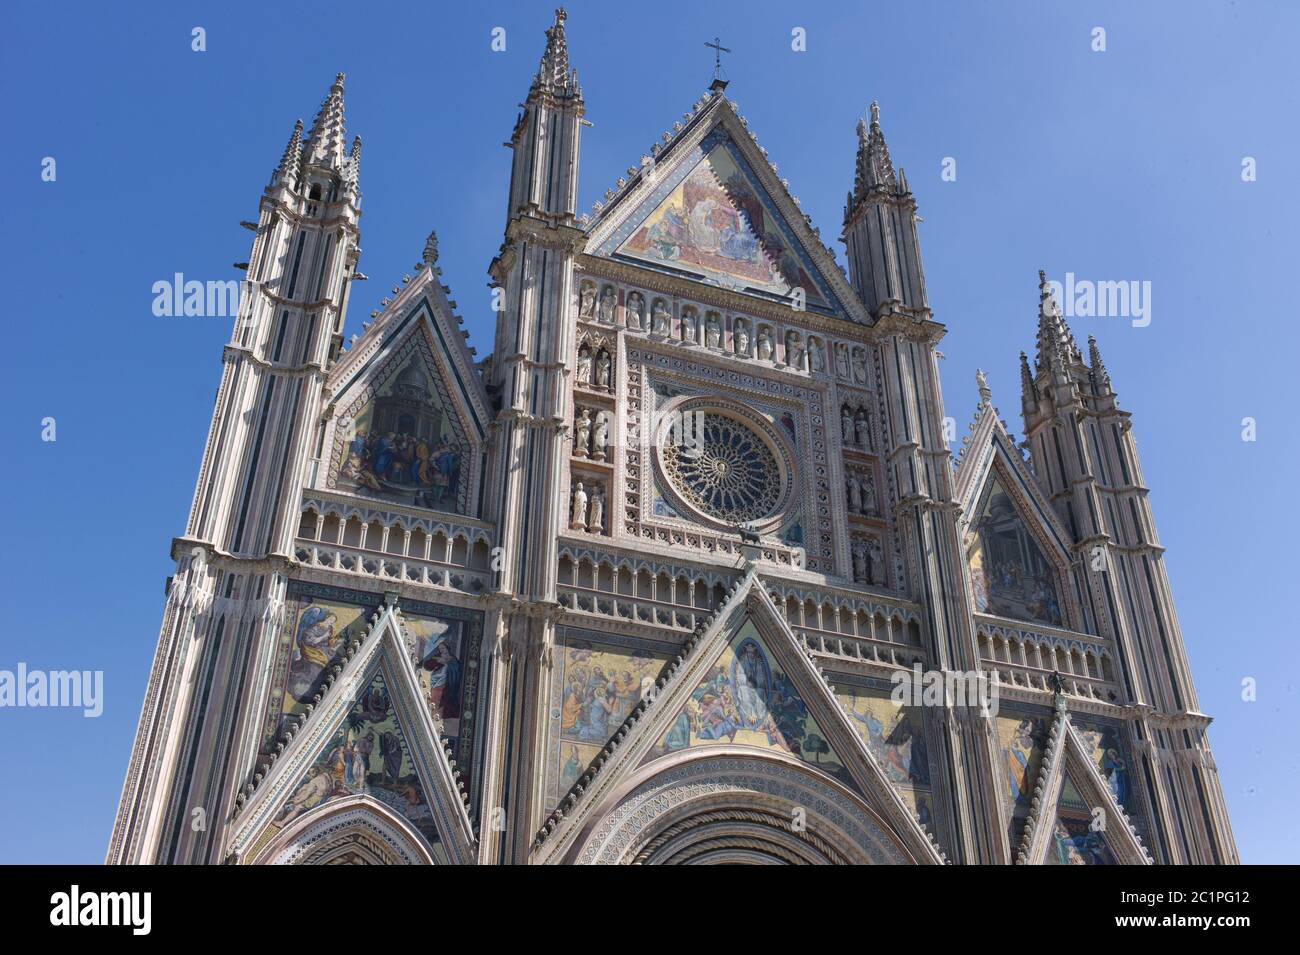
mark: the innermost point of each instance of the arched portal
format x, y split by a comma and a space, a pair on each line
354, 831
736, 806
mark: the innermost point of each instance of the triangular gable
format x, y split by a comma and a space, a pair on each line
409, 414
370, 741
1076, 838
653, 723
1017, 552
1074, 819
989, 446
711, 208
746, 698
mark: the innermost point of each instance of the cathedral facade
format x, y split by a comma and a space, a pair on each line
644, 584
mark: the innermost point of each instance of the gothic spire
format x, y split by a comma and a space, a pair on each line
1100, 376
554, 74
325, 141
291, 162
875, 170
354, 162
1056, 344
1028, 393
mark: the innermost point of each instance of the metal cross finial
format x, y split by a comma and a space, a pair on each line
718, 49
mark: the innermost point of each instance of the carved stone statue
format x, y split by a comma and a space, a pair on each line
876, 562
740, 338
855, 495
860, 562
794, 353
603, 365
712, 330
596, 522
689, 325
635, 311
600, 436
584, 365
863, 431
587, 300
816, 355
869, 506
846, 423
661, 319
578, 518
582, 433
842, 360
608, 301
859, 366
764, 343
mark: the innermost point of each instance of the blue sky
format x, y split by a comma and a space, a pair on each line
1123, 164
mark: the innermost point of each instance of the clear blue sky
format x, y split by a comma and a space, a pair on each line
1117, 165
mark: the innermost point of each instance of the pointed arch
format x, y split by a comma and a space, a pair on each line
320, 761
358, 830
731, 805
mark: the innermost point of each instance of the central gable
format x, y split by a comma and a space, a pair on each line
710, 219
746, 698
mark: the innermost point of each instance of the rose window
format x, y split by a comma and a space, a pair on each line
721, 468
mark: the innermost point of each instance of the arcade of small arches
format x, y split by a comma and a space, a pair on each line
1029, 659
395, 547
681, 599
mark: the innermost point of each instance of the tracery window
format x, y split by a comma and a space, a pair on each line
722, 468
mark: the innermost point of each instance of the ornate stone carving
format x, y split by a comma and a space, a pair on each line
690, 325
608, 302
740, 337
661, 319
578, 508
634, 311
582, 433
587, 300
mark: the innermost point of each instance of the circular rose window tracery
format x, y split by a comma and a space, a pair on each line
721, 467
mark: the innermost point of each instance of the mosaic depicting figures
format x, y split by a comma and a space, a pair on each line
715, 222
440, 650
1011, 577
318, 632
599, 687
367, 755
1021, 739
895, 735
1076, 840
1107, 752
402, 444
747, 699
